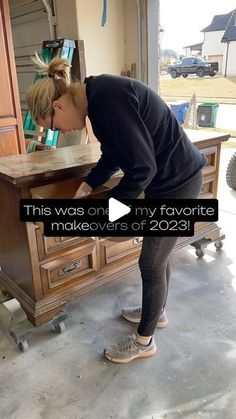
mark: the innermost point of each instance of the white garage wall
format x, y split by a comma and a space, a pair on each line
212, 43
108, 49
130, 7
213, 46
66, 19
104, 46
231, 67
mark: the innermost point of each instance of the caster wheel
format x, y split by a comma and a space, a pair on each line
59, 327
199, 253
23, 346
218, 244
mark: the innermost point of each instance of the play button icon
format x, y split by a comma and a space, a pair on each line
117, 209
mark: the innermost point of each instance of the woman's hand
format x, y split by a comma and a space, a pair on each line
83, 191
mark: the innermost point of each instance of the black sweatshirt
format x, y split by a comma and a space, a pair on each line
140, 135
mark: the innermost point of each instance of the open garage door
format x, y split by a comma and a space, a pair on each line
30, 27
219, 59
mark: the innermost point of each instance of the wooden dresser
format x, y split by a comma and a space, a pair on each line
43, 273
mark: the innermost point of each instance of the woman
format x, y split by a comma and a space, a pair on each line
139, 134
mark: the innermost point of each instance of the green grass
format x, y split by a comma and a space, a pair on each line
207, 89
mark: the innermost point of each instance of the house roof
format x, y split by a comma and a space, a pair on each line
230, 30
195, 46
219, 23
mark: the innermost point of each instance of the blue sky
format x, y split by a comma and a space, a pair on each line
182, 20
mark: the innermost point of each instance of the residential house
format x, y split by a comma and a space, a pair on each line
168, 56
194, 49
220, 42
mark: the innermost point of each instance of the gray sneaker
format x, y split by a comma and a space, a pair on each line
133, 315
129, 349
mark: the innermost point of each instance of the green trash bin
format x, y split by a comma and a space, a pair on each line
206, 114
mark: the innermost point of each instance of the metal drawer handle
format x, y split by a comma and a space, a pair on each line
69, 268
58, 239
137, 241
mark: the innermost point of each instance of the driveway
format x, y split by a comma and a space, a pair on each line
226, 117
190, 76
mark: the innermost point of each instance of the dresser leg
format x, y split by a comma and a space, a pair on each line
40, 319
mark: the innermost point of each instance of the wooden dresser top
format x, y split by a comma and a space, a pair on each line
32, 169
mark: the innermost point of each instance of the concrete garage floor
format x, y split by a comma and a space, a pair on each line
193, 375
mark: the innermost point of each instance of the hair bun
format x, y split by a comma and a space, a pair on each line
57, 68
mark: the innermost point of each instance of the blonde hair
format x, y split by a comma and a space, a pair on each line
42, 94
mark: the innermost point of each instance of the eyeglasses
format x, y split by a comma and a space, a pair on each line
52, 120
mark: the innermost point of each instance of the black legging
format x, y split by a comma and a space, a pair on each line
155, 268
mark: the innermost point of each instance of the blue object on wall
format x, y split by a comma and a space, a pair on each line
104, 13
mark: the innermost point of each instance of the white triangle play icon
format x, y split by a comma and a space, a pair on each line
117, 209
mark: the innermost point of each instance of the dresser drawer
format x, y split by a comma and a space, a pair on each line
50, 246
211, 155
209, 187
116, 248
65, 189
72, 269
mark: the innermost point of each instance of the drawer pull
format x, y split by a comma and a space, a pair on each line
69, 268
137, 241
58, 239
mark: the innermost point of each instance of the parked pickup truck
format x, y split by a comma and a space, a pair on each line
193, 65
